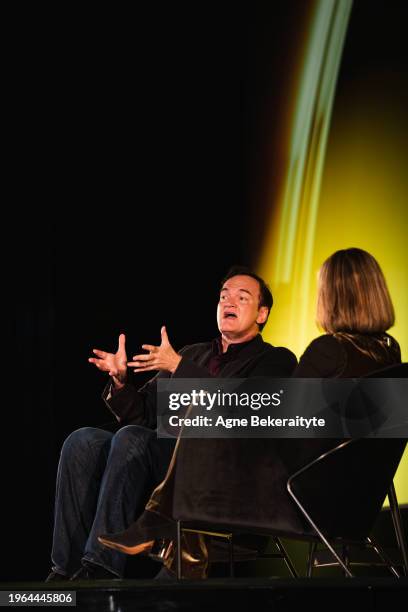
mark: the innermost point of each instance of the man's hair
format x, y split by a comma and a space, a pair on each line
265, 294
353, 294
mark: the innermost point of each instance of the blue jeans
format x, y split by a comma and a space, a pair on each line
103, 483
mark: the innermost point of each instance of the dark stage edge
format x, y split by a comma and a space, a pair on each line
230, 594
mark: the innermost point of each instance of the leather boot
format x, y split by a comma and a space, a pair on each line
141, 535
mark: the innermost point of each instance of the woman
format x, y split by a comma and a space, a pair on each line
355, 310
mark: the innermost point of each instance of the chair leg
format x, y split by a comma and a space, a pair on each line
312, 550
286, 558
398, 526
319, 532
231, 555
346, 558
383, 556
179, 557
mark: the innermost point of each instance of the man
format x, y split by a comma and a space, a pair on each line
103, 479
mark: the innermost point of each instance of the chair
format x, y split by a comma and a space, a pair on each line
334, 498
348, 512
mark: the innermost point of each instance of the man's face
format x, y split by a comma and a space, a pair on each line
238, 310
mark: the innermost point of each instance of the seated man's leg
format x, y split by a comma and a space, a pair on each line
137, 462
80, 471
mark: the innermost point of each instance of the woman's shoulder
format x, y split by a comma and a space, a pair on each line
324, 342
324, 356
393, 346
326, 345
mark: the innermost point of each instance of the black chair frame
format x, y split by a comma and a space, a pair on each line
317, 535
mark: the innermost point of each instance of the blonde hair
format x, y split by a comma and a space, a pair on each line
353, 295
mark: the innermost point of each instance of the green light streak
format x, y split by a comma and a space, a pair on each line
310, 131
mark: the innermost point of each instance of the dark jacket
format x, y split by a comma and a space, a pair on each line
347, 356
256, 358
338, 356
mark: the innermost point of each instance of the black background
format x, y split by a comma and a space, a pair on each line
141, 142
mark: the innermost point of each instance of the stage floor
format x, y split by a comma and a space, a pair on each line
253, 594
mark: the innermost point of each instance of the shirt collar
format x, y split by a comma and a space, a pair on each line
232, 348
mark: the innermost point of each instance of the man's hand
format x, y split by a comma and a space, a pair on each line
114, 363
162, 357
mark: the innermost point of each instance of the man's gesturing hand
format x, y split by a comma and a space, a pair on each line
162, 357
114, 363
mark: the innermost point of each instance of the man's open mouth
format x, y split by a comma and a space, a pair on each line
230, 315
